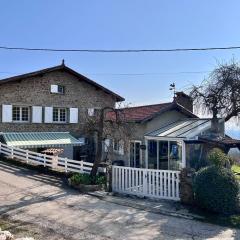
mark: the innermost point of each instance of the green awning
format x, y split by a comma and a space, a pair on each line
40, 139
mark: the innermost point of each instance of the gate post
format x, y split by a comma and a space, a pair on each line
145, 181
186, 185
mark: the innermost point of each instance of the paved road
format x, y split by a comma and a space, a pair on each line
61, 213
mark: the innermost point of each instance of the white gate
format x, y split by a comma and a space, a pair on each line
162, 184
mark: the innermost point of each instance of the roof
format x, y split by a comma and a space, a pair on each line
148, 112
222, 141
39, 139
61, 67
186, 128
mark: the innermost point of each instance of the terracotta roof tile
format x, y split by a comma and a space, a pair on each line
140, 113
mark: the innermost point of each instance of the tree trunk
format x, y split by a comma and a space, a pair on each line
99, 145
98, 155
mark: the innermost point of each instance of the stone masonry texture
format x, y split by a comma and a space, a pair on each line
35, 91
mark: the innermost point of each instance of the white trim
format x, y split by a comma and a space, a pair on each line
164, 138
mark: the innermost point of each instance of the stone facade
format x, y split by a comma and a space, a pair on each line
35, 91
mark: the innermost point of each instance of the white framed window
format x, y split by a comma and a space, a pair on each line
57, 89
118, 146
20, 114
59, 115
91, 112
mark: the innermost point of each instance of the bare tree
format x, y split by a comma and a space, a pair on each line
220, 93
108, 123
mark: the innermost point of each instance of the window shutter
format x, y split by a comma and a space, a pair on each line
48, 116
121, 147
106, 145
36, 114
54, 88
73, 115
6, 113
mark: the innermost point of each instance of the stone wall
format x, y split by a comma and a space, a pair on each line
35, 91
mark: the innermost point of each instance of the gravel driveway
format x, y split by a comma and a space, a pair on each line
29, 198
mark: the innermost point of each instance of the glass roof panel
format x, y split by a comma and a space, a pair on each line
181, 128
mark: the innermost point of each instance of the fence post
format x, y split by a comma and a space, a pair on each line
66, 165
27, 155
57, 159
81, 167
44, 160
12, 153
145, 176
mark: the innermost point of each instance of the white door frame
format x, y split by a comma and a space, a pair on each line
129, 159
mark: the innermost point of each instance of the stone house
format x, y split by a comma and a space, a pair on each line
46, 109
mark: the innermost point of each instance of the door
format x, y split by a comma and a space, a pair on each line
135, 154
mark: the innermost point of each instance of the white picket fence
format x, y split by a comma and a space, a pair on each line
163, 184
55, 162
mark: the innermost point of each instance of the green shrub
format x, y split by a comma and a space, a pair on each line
84, 178
81, 178
216, 190
218, 158
101, 180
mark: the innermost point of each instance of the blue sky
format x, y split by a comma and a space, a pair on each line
135, 24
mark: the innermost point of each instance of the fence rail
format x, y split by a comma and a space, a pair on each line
55, 162
162, 184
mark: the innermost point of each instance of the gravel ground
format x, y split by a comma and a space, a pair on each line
43, 207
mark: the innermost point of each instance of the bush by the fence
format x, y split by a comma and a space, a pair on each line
84, 178
216, 190
218, 158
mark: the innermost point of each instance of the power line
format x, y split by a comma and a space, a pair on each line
120, 50
144, 74
132, 74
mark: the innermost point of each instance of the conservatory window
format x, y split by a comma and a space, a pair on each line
164, 154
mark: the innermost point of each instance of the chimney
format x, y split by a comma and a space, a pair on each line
184, 100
